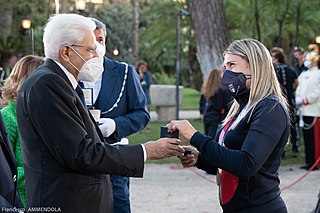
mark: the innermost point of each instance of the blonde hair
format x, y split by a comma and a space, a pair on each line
264, 81
212, 84
21, 70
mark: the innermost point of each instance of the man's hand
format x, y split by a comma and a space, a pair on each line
107, 126
191, 159
163, 148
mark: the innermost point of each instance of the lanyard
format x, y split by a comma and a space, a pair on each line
223, 132
225, 128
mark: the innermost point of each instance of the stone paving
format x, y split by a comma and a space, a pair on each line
170, 188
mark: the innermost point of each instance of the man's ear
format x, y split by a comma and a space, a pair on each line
64, 53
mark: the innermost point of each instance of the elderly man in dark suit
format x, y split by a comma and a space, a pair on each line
9, 199
119, 96
67, 162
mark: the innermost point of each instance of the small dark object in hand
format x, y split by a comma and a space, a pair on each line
165, 134
187, 152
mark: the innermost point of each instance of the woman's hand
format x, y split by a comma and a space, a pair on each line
189, 160
186, 130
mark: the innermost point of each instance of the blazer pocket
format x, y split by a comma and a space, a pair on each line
75, 181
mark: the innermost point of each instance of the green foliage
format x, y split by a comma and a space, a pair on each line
158, 37
157, 42
38, 11
242, 23
118, 20
8, 44
162, 78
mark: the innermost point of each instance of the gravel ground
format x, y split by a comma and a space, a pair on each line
172, 189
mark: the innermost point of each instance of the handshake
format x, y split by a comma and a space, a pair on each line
168, 145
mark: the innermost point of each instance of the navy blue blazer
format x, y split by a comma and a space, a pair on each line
130, 114
8, 169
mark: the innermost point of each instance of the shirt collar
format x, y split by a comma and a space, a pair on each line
71, 78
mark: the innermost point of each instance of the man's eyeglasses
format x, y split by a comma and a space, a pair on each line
87, 48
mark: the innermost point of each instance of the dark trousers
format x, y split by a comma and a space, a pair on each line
294, 136
311, 138
121, 200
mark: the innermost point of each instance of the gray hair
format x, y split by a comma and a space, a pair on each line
100, 25
64, 29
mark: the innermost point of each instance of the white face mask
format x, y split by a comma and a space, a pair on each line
307, 63
101, 50
91, 69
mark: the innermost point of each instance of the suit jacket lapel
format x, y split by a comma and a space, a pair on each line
56, 69
108, 84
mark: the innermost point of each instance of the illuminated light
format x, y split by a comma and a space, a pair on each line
81, 5
115, 52
96, 1
26, 23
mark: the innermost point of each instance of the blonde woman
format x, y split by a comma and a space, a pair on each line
22, 69
247, 156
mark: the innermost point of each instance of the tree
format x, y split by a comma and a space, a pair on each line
135, 29
257, 18
118, 20
5, 19
299, 2
296, 22
281, 14
157, 36
211, 33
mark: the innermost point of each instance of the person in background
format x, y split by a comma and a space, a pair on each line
247, 155
21, 70
213, 103
145, 80
308, 102
288, 79
119, 96
66, 160
298, 59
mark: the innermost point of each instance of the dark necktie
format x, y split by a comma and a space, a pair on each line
81, 95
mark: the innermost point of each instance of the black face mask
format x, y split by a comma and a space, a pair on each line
234, 83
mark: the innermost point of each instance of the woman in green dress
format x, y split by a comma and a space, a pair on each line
22, 69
